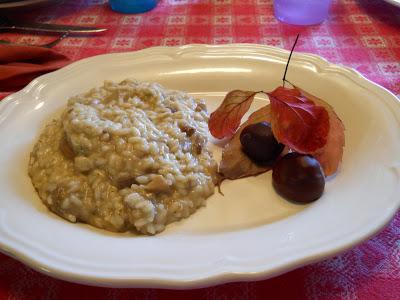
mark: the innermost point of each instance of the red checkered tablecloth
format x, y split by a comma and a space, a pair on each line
363, 34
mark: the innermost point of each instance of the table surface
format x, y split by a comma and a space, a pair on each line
362, 34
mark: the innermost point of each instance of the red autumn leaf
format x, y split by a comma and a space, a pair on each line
235, 163
297, 121
301, 121
331, 154
226, 119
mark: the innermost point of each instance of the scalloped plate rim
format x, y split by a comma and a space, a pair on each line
393, 2
228, 274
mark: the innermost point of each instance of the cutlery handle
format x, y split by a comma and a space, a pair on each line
6, 24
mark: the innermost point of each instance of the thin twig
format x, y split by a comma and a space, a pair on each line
290, 56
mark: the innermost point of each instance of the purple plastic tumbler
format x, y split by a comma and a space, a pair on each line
302, 12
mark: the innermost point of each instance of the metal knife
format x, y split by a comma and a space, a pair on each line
6, 24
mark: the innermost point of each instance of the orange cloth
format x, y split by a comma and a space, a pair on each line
20, 64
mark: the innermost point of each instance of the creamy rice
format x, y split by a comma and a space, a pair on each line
127, 156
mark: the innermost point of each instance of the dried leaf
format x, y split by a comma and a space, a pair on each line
226, 119
235, 163
301, 121
297, 121
331, 154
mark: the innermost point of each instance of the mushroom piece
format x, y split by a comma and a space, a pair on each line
198, 143
158, 184
187, 129
200, 107
66, 149
125, 182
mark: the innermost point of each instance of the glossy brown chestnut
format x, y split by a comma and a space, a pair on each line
259, 143
298, 177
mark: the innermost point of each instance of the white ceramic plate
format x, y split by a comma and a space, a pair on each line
394, 2
250, 233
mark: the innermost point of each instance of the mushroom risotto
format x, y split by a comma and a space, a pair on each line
127, 156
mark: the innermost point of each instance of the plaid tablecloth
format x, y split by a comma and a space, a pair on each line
363, 34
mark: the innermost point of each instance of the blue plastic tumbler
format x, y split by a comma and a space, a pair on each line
132, 6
